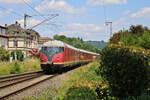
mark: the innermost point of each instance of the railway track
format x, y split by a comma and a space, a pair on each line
18, 78
14, 84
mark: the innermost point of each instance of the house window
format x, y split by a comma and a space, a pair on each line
5, 43
3, 31
16, 33
15, 43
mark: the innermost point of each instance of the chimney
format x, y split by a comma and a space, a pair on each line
5, 25
16, 22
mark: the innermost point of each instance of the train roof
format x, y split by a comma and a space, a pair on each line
62, 44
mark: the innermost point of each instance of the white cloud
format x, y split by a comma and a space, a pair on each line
105, 2
9, 11
61, 6
84, 27
5, 12
30, 22
126, 12
14, 1
85, 31
143, 13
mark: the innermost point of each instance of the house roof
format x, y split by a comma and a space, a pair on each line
3, 27
20, 31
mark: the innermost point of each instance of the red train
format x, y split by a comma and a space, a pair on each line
56, 55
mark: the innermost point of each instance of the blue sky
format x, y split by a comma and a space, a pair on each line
77, 18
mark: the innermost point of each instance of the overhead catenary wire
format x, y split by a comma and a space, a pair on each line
105, 17
106, 22
33, 8
104, 7
41, 15
42, 22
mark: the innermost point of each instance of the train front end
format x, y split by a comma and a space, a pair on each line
52, 58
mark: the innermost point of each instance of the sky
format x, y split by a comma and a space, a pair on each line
76, 18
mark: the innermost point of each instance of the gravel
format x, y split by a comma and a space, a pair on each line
37, 89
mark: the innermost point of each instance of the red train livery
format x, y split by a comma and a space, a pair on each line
56, 55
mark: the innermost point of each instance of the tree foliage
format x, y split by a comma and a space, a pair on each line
123, 69
135, 36
77, 42
4, 54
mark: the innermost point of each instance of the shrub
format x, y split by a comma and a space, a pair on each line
143, 96
16, 69
19, 53
4, 54
104, 93
124, 68
144, 40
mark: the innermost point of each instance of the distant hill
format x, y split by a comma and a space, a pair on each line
97, 44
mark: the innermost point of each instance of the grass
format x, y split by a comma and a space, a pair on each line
83, 80
82, 77
14, 67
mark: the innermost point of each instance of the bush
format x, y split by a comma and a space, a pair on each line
143, 96
144, 40
104, 93
16, 69
4, 54
19, 53
124, 69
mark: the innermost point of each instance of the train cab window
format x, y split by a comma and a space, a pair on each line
54, 50
58, 49
61, 49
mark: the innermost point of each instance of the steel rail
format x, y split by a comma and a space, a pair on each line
25, 88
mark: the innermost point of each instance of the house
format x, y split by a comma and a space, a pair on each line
20, 39
14, 37
3, 37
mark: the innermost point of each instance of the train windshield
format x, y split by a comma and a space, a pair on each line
50, 52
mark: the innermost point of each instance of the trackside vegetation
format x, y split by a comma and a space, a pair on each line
4, 54
17, 67
126, 71
125, 64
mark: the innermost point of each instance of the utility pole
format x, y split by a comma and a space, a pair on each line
109, 23
25, 42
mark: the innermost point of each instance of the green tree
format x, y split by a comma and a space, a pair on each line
123, 69
4, 54
77, 42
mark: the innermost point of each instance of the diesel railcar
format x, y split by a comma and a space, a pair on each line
56, 55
